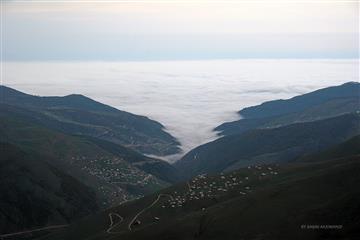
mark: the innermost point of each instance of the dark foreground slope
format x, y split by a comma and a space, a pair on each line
317, 105
35, 194
348, 148
317, 200
77, 114
261, 146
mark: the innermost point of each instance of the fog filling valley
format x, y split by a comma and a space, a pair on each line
190, 98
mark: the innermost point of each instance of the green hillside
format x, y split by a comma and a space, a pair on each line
289, 170
159, 168
261, 146
57, 173
77, 114
36, 194
302, 102
335, 101
112, 174
348, 148
295, 201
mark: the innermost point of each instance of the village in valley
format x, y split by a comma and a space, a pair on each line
204, 191
206, 186
119, 174
197, 194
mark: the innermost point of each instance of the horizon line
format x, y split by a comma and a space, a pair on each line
181, 59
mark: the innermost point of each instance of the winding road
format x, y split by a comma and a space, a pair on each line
112, 214
3, 236
148, 207
112, 225
111, 217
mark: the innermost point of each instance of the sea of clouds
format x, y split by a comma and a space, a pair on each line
190, 98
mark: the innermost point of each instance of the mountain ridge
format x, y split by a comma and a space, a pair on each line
298, 103
343, 99
91, 118
260, 146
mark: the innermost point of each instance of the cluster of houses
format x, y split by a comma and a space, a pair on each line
209, 188
264, 170
115, 171
113, 196
213, 187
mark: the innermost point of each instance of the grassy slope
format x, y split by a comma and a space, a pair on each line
269, 145
35, 194
111, 175
345, 149
329, 109
77, 114
320, 104
158, 168
302, 102
274, 207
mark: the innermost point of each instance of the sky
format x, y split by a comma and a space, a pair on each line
177, 30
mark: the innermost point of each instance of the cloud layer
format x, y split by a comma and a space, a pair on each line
189, 97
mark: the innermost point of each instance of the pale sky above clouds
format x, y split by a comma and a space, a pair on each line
198, 29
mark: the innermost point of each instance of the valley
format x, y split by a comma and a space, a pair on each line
210, 207
179, 120
266, 177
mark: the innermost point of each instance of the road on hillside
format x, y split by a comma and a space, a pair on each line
3, 236
112, 225
148, 207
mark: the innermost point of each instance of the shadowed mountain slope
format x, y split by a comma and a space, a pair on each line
114, 172
348, 148
77, 114
36, 194
55, 169
261, 202
302, 102
262, 146
321, 104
